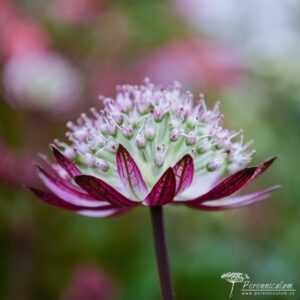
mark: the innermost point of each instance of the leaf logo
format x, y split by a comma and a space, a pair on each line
233, 278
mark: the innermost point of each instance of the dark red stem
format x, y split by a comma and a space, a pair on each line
161, 253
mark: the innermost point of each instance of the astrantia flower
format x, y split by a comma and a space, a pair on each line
35, 78
150, 146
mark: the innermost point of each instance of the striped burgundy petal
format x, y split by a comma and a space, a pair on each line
64, 191
163, 191
184, 172
235, 202
57, 171
104, 211
47, 163
130, 174
65, 163
234, 182
57, 201
97, 188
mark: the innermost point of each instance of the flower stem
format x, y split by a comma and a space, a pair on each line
161, 253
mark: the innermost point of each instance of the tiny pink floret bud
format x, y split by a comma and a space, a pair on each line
102, 164
127, 131
140, 141
191, 138
158, 114
149, 132
215, 164
159, 156
175, 134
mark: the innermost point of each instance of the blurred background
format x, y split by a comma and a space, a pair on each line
57, 57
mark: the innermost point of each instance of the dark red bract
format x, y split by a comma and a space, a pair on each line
91, 196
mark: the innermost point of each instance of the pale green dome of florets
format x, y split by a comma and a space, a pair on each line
158, 126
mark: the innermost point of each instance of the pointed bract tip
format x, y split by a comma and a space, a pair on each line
53, 147
276, 187
188, 156
33, 190
170, 172
121, 148
267, 163
65, 163
163, 191
55, 151
40, 170
272, 159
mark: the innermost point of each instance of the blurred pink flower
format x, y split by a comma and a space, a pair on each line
75, 11
43, 82
18, 34
89, 283
195, 63
35, 77
26, 38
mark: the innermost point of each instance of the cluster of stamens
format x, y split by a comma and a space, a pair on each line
158, 126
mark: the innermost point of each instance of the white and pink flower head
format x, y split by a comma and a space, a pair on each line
150, 146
